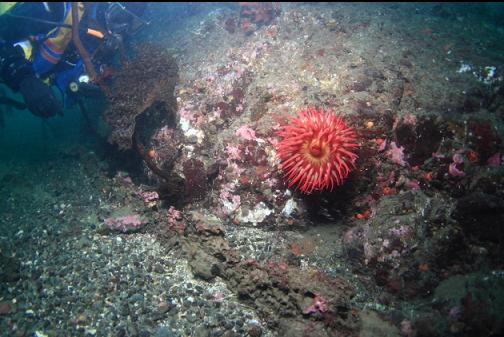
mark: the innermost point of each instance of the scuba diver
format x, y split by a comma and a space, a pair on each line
67, 44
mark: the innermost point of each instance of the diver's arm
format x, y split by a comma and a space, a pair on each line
17, 73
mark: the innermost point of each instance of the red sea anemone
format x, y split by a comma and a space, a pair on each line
316, 150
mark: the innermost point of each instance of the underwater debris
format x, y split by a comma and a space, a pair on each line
145, 84
142, 101
316, 150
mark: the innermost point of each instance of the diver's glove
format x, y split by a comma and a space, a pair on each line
39, 97
17, 72
14, 67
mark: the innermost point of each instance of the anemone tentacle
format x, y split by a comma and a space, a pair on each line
316, 150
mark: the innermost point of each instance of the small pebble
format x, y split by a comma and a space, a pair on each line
5, 308
255, 330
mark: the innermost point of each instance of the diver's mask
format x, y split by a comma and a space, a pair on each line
122, 21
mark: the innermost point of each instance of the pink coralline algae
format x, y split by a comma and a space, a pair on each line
409, 119
407, 328
452, 169
413, 184
125, 224
396, 154
149, 196
174, 215
456, 312
319, 304
229, 202
176, 222
494, 160
246, 133
233, 152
